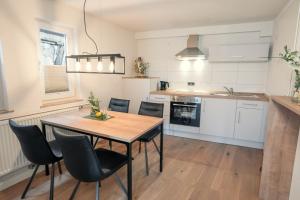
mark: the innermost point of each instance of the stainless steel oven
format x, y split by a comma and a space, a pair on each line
185, 110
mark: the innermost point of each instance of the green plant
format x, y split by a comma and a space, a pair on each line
140, 66
94, 103
293, 59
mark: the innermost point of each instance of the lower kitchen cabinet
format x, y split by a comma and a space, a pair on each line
250, 123
166, 101
218, 117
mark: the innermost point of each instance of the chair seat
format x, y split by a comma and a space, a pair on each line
55, 148
110, 161
147, 137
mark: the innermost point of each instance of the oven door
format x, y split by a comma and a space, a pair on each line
185, 113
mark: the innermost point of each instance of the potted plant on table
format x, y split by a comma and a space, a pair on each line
293, 59
95, 109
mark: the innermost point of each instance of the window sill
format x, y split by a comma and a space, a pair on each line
2, 112
47, 104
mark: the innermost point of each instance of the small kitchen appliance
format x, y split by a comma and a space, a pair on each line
164, 85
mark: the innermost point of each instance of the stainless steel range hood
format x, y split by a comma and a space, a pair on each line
192, 52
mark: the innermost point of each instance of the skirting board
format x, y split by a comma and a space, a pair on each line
16, 177
256, 145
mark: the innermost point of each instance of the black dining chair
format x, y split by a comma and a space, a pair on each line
153, 110
118, 105
37, 150
86, 164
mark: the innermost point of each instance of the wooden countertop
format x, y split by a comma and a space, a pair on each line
287, 103
238, 95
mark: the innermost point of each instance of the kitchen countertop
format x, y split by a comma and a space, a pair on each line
220, 95
286, 102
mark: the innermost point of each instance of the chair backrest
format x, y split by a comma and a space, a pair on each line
119, 105
79, 157
33, 143
151, 109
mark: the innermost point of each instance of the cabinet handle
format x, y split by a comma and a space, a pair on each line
239, 117
250, 104
203, 106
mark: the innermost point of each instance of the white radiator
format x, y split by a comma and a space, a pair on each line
11, 156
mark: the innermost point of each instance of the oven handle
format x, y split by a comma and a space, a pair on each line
184, 105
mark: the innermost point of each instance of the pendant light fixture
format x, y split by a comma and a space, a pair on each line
94, 63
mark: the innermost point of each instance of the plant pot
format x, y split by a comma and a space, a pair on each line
141, 75
296, 97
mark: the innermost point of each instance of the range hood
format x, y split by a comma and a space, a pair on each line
192, 52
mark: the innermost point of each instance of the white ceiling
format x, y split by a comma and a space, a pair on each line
144, 15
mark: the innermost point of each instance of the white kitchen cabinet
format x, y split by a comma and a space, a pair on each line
166, 101
250, 121
239, 53
137, 90
218, 117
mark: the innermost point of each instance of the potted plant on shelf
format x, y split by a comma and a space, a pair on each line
293, 59
140, 67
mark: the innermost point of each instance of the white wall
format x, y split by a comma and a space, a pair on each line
284, 34
19, 37
160, 53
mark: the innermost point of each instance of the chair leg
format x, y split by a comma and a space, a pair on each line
140, 147
110, 144
156, 146
146, 159
52, 183
97, 190
30, 181
119, 182
74, 190
59, 167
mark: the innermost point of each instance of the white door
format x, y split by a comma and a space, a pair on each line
249, 124
218, 117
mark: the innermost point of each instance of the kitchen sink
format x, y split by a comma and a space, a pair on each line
220, 94
223, 94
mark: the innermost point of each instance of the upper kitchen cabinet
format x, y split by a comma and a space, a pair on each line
218, 117
239, 53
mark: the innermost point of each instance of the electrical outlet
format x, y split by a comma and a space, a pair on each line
191, 83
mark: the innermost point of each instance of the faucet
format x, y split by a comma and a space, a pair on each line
229, 90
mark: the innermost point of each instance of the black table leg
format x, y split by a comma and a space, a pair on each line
129, 172
44, 132
161, 147
92, 140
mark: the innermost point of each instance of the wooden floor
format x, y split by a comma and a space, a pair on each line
193, 170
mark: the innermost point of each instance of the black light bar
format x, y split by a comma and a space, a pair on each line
96, 64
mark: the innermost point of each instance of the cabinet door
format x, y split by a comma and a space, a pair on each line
218, 117
249, 124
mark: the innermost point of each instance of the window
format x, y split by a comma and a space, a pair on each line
55, 42
3, 96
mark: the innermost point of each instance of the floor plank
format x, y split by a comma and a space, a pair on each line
193, 170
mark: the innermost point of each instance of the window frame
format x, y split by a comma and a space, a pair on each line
3, 88
70, 48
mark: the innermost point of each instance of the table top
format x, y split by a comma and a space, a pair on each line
124, 127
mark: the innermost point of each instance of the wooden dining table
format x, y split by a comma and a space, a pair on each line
125, 128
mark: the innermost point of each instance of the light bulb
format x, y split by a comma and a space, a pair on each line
88, 65
77, 65
100, 66
111, 66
